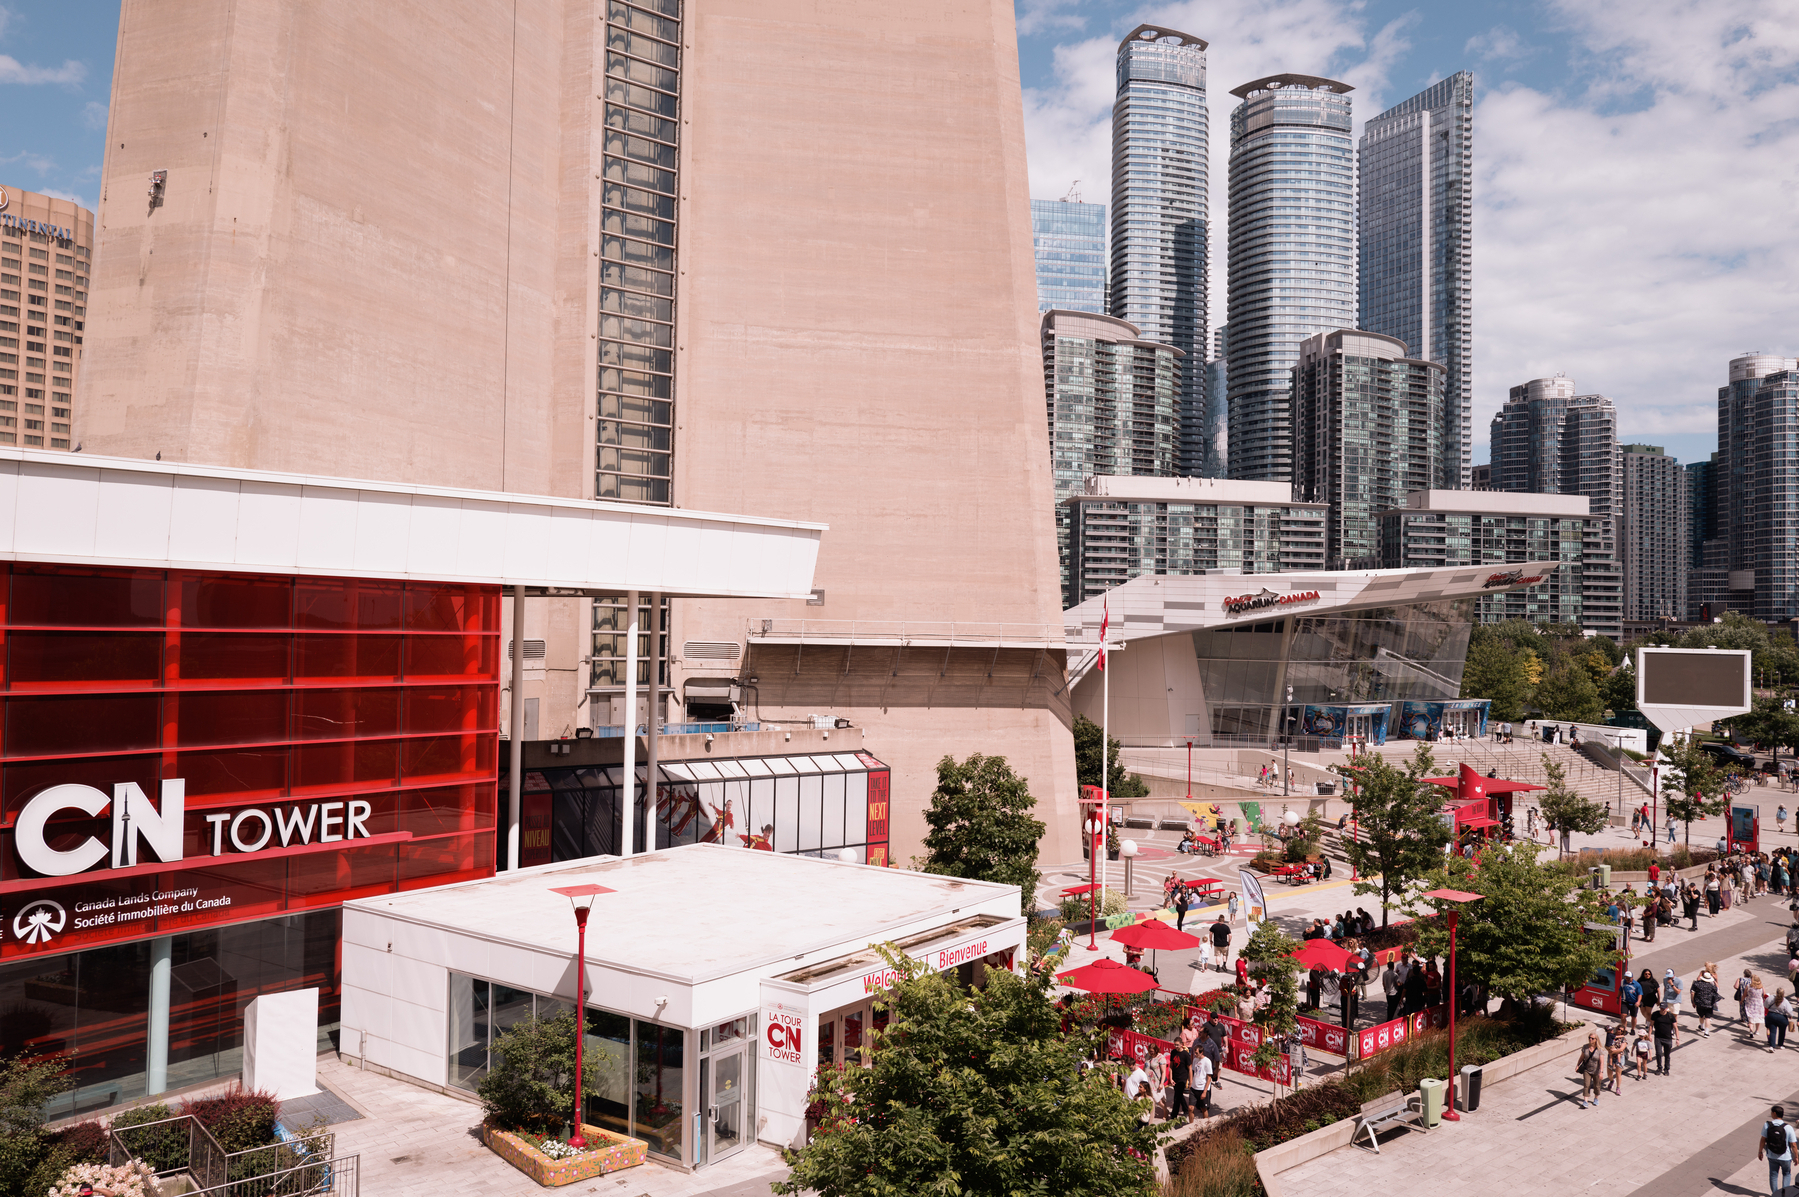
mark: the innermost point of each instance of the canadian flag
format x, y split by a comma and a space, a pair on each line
1105, 620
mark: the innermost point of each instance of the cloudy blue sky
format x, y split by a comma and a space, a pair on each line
1637, 168
1637, 185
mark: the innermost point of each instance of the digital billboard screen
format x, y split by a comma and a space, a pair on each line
1700, 679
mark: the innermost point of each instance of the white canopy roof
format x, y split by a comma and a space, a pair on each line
116, 511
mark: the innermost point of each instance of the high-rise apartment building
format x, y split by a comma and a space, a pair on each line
1548, 440
46, 253
1121, 528
1367, 430
1758, 483
1654, 536
1708, 549
1292, 253
1112, 398
1160, 135
1068, 239
1438, 528
1415, 218
622, 253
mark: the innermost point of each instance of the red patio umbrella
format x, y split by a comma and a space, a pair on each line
1155, 935
1107, 976
1322, 953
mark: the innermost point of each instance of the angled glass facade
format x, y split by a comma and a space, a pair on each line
1292, 253
634, 453
1160, 136
1068, 239
1368, 430
1415, 213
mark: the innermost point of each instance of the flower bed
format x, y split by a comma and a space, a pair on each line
607, 1152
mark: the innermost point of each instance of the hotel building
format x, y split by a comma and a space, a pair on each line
46, 252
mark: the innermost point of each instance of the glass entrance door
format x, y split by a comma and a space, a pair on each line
725, 1105
1359, 725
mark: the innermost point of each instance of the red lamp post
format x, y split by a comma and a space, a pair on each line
581, 898
1189, 770
1458, 897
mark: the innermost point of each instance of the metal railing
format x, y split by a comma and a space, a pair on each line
905, 631
296, 1166
171, 1145
339, 1176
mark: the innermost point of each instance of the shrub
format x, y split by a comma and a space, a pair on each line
529, 1087
85, 1142
239, 1118
134, 1179
1219, 1165
1078, 909
164, 1148
25, 1086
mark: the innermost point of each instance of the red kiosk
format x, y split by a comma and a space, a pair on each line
1481, 804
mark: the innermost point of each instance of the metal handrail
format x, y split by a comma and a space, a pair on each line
207, 1160
339, 1176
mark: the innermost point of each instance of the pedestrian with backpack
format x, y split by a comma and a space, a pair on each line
1776, 1147
1705, 999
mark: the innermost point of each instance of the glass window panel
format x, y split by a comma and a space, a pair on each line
632, 490
855, 808
787, 813
632, 461
510, 1007
639, 46
637, 253
647, 74
761, 810
631, 356
633, 436
639, 174
642, 398
78, 599
623, 91
643, 124
799, 764
831, 834
639, 202
639, 21
637, 332
642, 149
468, 1030
113, 723
608, 1054
811, 813
215, 602
754, 766
617, 274
637, 307
660, 1069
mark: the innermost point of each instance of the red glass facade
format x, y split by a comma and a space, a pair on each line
332, 738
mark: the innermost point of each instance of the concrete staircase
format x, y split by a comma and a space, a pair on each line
1523, 761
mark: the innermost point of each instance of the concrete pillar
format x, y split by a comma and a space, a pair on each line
516, 728
627, 790
653, 728
156, 1039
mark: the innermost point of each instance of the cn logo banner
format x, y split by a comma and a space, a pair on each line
1323, 1036
1391, 1034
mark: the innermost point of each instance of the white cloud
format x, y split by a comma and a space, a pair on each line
1498, 44
57, 193
93, 114
14, 71
1633, 227
1039, 16
26, 158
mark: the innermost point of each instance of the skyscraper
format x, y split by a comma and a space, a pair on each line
1069, 241
1548, 440
1415, 213
1367, 430
1654, 536
1159, 235
488, 297
1758, 483
1292, 253
1112, 398
1708, 550
46, 251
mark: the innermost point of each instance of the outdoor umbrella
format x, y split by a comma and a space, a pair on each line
1155, 935
1322, 953
1108, 977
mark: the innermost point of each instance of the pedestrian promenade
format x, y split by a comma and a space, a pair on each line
1692, 1132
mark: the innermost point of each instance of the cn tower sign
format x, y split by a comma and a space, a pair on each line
136, 821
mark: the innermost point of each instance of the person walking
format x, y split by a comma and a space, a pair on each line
1640, 1045
1778, 1018
1592, 1058
1617, 1041
1230, 907
1205, 1070
1755, 1008
1780, 817
1705, 999
1714, 895
1776, 1147
1740, 994
1651, 912
1221, 942
1671, 990
1690, 905
1180, 1075
1390, 985
1631, 999
1651, 992
1665, 1024
1181, 903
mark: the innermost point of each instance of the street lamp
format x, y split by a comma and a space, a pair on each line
1458, 897
1287, 744
581, 898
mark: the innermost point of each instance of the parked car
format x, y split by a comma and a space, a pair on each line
1729, 754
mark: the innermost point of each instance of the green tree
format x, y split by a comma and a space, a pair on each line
1086, 761
1768, 724
973, 1093
26, 1086
1619, 691
1527, 935
1568, 691
1563, 809
981, 824
1497, 671
531, 1084
1400, 832
1270, 954
1692, 785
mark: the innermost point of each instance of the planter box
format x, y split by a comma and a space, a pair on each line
608, 1152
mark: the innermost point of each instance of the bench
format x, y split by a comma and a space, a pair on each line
1394, 1108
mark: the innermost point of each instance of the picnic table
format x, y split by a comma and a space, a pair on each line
1292, 874
1206, 888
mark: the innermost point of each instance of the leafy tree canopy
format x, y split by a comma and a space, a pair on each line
1563, 809
1768, 724
981, 824
1568, 691
973, 1093
1619, 691
1527, 934
1692, 783
1498, 671
1400, 830
1270, 954
1774, 655
1086, 762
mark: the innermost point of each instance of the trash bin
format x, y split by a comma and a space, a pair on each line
1431, 1090
1470, 1087
1605, 876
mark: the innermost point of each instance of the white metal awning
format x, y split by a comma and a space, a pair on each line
117, 511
